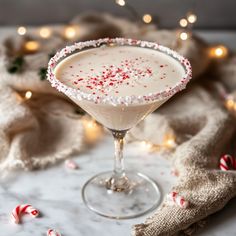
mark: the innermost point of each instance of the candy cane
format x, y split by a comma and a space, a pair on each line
175, 198
52, 232
225, 160
70, 164
23, 209
174, 172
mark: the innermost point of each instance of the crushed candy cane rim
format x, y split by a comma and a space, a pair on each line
121, 100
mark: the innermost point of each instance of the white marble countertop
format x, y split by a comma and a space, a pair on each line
56, 191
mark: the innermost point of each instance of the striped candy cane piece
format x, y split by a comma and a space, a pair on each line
178, 200
70, 164
23, 209
225, 160
52, 232
30, 210
174, 172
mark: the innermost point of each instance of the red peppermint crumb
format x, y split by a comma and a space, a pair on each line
149, 71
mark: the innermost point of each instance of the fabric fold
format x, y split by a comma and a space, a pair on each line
200, 180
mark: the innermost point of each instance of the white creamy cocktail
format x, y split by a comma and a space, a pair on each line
119, 82
119, 71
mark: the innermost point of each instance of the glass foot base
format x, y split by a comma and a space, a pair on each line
142, 196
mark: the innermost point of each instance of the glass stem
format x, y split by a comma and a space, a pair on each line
118, 182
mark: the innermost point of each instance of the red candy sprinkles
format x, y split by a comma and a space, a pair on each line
118, 74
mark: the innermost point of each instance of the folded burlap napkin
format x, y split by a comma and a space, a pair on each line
209, 128
45, 129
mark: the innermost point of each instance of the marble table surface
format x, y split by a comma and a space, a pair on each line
56, 191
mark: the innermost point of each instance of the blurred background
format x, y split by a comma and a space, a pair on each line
212, 14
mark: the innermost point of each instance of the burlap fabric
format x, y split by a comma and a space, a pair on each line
45, 129
209, 129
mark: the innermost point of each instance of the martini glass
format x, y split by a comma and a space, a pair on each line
119, 194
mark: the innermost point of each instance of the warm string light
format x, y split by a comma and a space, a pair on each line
184, 35
147, 18
45, 32
146, 145
192, 18
70, 32
28, 95
169, 140
183, 22
187, 23
230, 103
32, 46
21, 30
91, 124
218, 52
92, 129
167, 143
120, 2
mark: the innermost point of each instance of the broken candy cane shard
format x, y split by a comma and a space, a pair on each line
174, 172
52, 232
23, 209
224, 160
178, 200
70, 164
30, 210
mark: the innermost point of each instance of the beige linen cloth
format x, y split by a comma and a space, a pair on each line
45, 129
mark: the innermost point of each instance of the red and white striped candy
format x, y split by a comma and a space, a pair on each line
52, 232
225, 160
174, 172
179, 200
70, 164
23, 209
